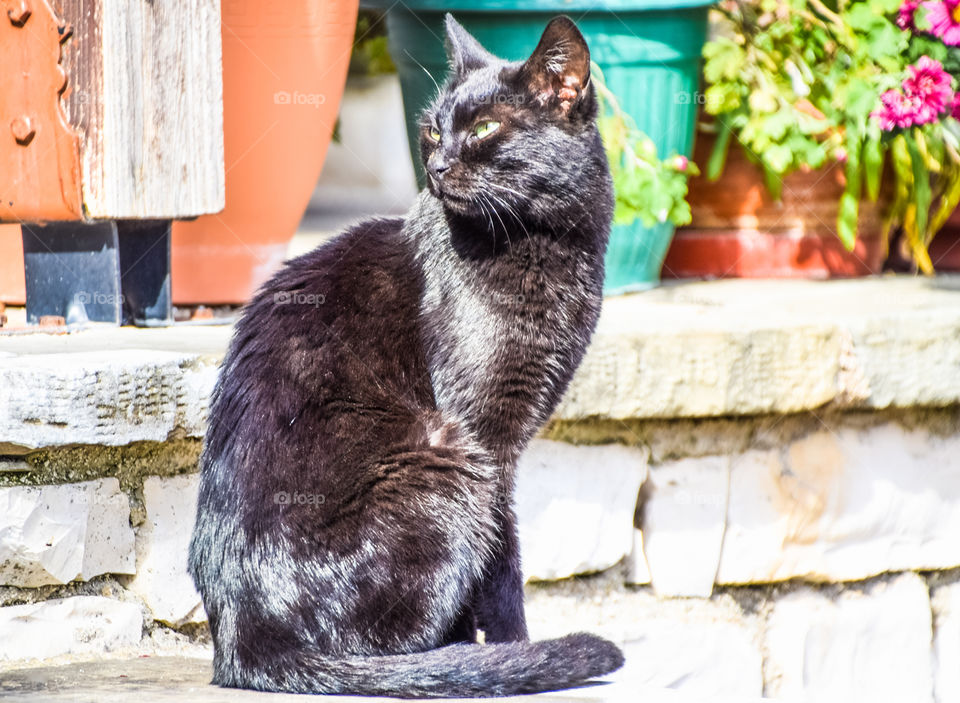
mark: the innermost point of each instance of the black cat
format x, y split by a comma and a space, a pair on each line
355, 525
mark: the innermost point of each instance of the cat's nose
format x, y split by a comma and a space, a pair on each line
438, 164
438, 169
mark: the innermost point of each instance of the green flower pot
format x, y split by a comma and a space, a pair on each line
650, 56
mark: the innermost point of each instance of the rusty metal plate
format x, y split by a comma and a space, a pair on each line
39, 151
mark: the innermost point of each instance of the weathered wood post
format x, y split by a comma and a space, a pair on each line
111, 125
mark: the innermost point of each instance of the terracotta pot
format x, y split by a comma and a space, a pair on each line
945, 247
11, 265
739, 230
284, 68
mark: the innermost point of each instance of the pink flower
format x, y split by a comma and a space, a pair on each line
955, 107
944, 19
925, 94
906, 13
680, 163
929, 82
897, 110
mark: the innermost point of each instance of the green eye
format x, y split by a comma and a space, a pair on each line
485, 129
434, 134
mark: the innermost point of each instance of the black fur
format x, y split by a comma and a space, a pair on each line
355, 524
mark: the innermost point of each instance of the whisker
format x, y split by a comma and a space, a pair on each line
479, 201
436, 85
511, 211
494, 209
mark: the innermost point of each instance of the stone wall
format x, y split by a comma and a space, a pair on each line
755, 487
775, 555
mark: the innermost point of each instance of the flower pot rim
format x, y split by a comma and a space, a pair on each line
536, 6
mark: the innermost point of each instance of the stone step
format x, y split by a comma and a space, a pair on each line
684, 350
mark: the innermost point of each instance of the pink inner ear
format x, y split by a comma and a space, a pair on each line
570, 89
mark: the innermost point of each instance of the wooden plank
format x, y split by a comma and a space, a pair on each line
146, 93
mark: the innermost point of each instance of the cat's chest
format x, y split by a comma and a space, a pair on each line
501, 346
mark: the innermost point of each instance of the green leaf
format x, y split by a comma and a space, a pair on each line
887, 7
777, 124
861, 17
873, 164
921, 184
850, 200
718, 156
861, 99
778, 158
774, 183
762, 101
721, 97
724, 60
847, 220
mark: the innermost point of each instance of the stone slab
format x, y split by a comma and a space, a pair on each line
55, 534
77, 625
109, 397
176, 679
692, 349
638, 570
843, 504
684, 512
872, 646
946, 642
575, 506
162, 544
712, 660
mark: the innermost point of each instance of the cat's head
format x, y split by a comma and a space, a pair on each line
516, 140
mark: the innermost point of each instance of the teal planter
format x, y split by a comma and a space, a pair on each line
649, 53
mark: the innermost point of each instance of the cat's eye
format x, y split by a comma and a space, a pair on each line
486, 128
434, 133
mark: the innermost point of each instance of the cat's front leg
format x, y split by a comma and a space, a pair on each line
499, 605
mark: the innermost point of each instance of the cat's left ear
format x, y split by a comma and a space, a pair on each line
558, 71
463, 51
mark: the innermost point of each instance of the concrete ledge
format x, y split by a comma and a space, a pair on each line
106, 386
687, 350
759, 347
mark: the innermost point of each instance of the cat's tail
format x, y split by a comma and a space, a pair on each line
455, 671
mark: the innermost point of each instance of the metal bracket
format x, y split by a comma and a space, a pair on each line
39, 149
145, 272
115, 272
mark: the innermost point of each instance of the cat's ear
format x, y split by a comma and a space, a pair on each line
463, 51
558, 71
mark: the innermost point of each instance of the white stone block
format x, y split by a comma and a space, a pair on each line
869, 647
162, 543
77, 625
109, 397
706, 659
844, 505
946, 643
683, 524
638, 571
56, 534
575, 506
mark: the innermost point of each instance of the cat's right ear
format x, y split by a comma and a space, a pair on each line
558, 71
463, 51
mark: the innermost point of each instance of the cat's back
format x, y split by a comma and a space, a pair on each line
334, 328
363, 276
